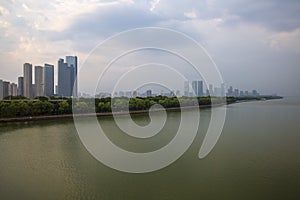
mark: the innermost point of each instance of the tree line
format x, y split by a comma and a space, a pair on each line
22, 107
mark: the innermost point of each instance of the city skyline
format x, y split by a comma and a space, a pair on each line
44, 85
41, 82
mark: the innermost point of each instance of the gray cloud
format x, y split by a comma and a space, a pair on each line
254, 43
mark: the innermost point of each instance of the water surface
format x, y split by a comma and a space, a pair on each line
257, 157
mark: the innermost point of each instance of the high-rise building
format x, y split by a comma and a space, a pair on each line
197, 88
38, 81
67, 77
72, 63
211, 90
186, 88
194, 86
21, 86
230, 92
217, 92
236, 93
27, 73
1, 90
13, 89
48, 80
148, 93
64, 79
222, 89
5, 89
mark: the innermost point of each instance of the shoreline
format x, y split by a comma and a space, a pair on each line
108, 114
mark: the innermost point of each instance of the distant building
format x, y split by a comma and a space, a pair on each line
223, 93
134, 94
211, 90
5, 89
1, 90
236, 93
121, 94
48, 80
39, 81
27, 73
64, 79
186, 88
33, 87
67, 77
230, 92
197, 88
200, 88
128, 94
21, 86
217, 92
207, 92
13, 89
241, 93
72, 63
255, 93
148, 93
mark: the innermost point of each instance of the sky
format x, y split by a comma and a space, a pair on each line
254, 43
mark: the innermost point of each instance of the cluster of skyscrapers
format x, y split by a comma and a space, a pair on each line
196, 88
44, 81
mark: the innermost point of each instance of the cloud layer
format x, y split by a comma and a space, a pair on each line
254, 43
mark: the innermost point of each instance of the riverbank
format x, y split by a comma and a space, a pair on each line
106, 114
104, 110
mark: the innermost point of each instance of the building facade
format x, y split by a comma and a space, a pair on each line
38, 81
48, 80
13, 89
1, 90
27, 73
21, 86
72, 64
67, 77
5, 89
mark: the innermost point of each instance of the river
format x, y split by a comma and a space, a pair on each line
256, 157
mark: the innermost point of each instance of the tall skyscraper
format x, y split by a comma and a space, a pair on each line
67, 77
72, 63
21, 86
197, 88
64, 79
13, 89
1, 90
5, 89
186, 88
27, 73
223, 90
211, 90
38, 81
48, 80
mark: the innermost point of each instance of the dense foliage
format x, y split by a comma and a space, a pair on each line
21, 107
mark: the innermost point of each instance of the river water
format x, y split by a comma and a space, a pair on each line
256, 157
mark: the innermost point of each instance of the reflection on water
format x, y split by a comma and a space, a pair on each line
257, 157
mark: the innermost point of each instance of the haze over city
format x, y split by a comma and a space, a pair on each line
254, 44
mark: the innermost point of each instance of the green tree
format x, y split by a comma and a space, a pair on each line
42, 108
104, 106
64, 108
4, 111
81, 107
23, 109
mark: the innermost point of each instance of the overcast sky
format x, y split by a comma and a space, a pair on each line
255, 43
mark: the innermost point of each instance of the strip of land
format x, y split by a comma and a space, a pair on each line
103, 107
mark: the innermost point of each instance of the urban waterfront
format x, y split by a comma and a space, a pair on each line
257, 157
